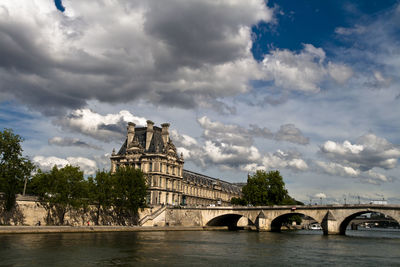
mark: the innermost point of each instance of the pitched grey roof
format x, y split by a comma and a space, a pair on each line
156, 143
207, 180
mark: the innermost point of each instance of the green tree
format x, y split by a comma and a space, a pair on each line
130, 191
264, 188
101, 192
238, 201
14, 168
63, 189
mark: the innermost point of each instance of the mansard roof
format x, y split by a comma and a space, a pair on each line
207, 180
156, 144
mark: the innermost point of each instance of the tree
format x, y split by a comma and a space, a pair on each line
101, 192
238, 201
129, 193
264, 188
14, 168
63, 189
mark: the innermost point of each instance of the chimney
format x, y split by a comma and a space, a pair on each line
149, 133
131, 133
165, 133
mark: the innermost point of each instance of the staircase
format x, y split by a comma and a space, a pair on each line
152, 216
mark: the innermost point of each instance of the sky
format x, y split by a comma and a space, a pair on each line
310, 88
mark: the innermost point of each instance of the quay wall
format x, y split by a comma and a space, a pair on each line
30, 212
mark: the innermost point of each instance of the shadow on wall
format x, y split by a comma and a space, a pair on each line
230, 220
90, 215
12, 217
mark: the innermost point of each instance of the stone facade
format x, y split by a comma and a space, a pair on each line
151, 149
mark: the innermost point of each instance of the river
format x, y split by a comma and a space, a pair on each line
205, 248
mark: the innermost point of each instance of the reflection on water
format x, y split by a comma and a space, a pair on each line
367, 248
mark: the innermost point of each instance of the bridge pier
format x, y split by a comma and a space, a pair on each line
263, 224
330, 225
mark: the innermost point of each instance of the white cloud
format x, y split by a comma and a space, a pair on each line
320, 195
358, 29
359, 160
370, 151
102, 127
238, 135
88, 166
339, 72
303, 71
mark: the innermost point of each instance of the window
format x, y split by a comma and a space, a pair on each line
150, 167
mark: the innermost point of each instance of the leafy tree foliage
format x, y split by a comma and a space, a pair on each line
101, 192
62, 189
129, 192
14, 168
266, 188
238, 201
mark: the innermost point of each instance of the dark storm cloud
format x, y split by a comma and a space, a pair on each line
67, 141
196, 33
177, 53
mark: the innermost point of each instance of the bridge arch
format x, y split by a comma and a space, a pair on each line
230, 220
278, 221
345, 222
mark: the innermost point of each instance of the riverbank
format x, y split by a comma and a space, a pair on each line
97, 229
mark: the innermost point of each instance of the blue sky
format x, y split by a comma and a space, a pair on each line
310, 88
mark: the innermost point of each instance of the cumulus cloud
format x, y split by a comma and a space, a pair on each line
290, 133
368, 152
67, 141
278, 160
302, 71
230, 146
106, 128
226, 133
180, 53
88, 166
238, 135
358, 160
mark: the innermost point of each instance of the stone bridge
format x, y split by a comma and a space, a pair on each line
333, 218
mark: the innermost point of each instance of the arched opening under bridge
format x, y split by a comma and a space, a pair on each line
229, 220
287, 219
376, 217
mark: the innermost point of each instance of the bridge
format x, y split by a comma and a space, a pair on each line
334, 219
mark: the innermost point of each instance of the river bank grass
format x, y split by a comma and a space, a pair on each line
98, 229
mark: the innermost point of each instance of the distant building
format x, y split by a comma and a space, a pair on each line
151, 150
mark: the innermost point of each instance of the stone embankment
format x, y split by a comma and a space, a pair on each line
97, 229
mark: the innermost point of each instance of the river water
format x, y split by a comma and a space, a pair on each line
205, 248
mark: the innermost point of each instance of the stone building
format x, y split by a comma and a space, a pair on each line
151, 150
